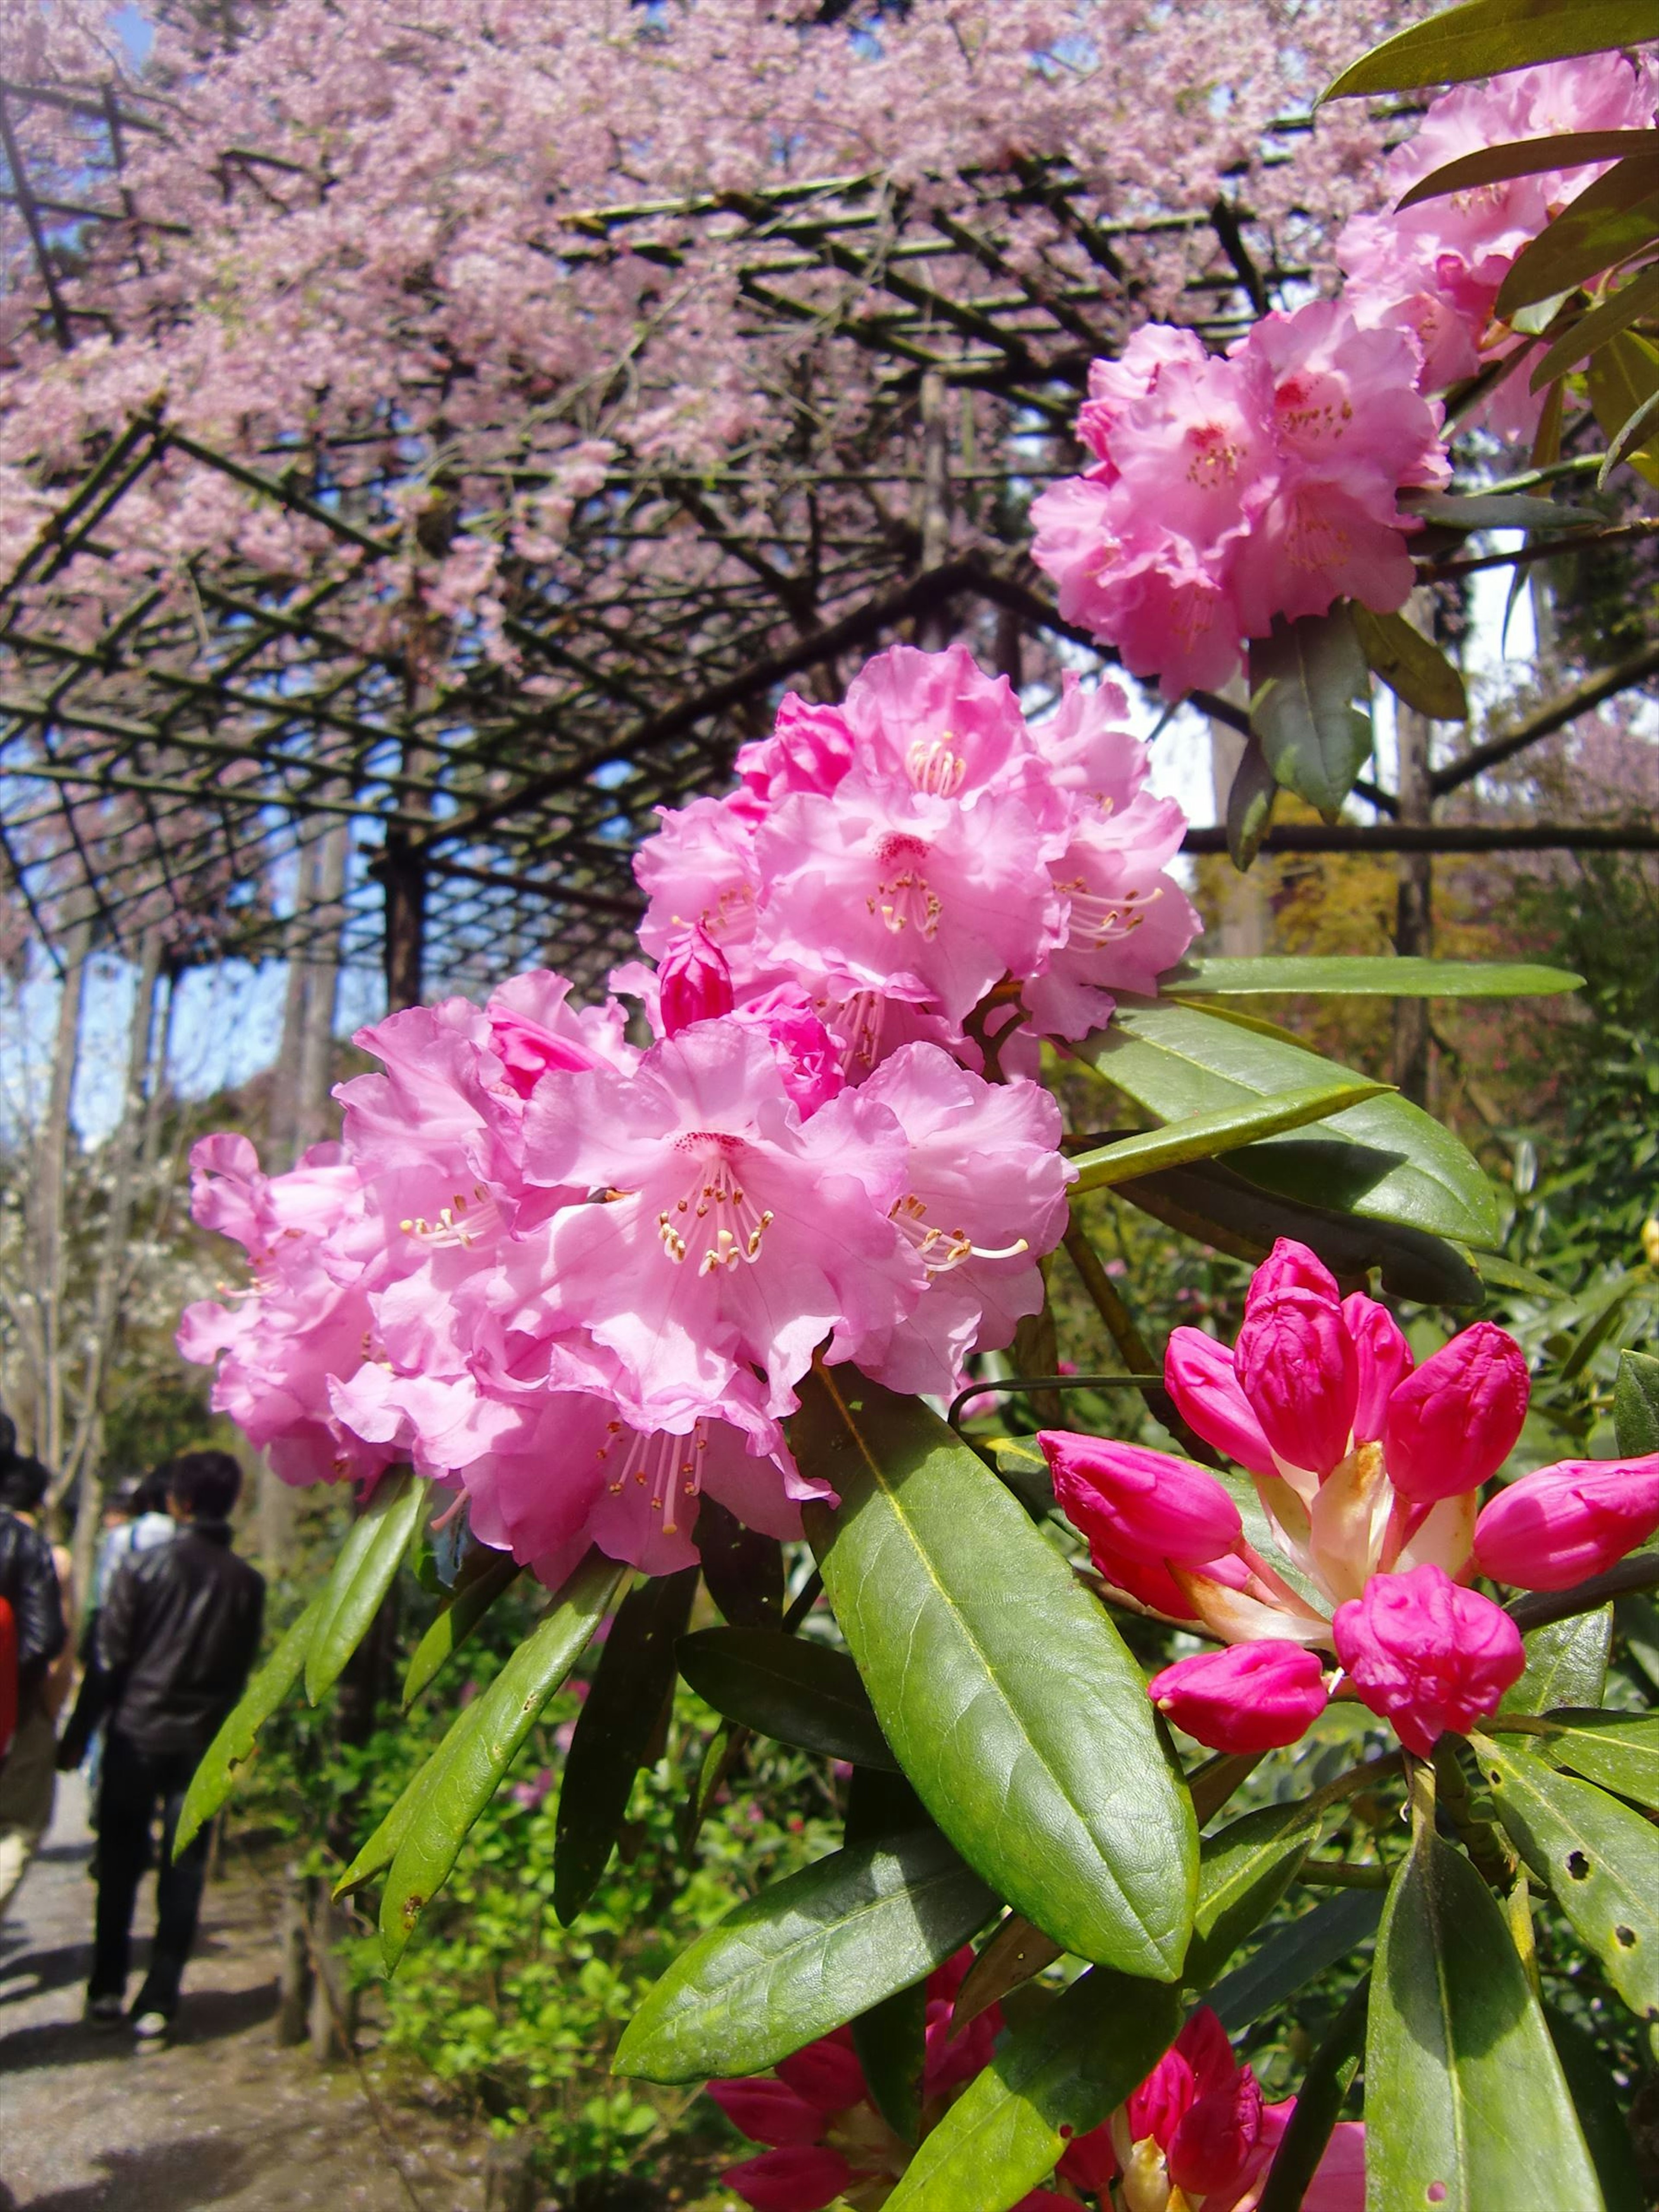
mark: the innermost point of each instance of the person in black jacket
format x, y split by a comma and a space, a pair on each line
28, 1583
177, 1635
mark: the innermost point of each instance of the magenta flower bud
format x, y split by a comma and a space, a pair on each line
1557, 1526
1199, 1376
1291, 1267
1213, 2148
695, 982
1426, 1655
1246, 1697
769, 2112
1385, 1361
1299, 1368
1453, 1423
804, 2178
1144, 1504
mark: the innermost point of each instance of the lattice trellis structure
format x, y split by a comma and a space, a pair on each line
167, 754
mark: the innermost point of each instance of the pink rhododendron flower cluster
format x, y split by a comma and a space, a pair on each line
1196, 2136
1369, 1470
899, 861
579, 1281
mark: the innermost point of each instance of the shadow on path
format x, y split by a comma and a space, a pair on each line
168, 2177
207, 2015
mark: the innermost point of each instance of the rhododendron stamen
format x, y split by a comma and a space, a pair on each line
657, 1460
944, 1249
906, 896
736, 1229
462, 1223
1107, 920
934, 768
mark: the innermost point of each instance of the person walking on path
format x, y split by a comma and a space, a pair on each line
177, 1634
29, 1586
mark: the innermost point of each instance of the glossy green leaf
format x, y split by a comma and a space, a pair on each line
743, 1568
1485, 37
1613, 217
1304, 679
1618, 1750
622, 1711
1636, 1405
484, 1577
787, 1687
1606, 2133
1243, 1872
1293, 1956
805, 1957
1205, 1135
1412, 665
1024, 1727
1319, 2103
1502, 510
1366, 976
365, 1571
1622, 384
1251, 797
1636, 440
216, 1777
1526, 157
1057, 2077
890, 2041
1599, 1858
1566, 1664
476, 1760
382, 1846
1386, 1160
1615, 313
1465, 2106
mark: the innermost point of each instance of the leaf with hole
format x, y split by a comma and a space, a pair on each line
1636, 1405
1566, 1664
1055, 2078
1599, 1858
1243, 1872
1024, 1726
804, 1958
623, 1710
365, 1571
215, 1776
1412, 665
1304, 679
1484, 38
1465, 2106
787, 1688
484, 1577
474, 1762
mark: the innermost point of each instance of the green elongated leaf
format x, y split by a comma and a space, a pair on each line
1616, 312
1025, 1727
476, 1759
365, 1571
1319, 2103
1208, 1201
1364, 975
1204, 1135
1015, 1953
1636, 1405
1412, 665
1486, 37
1057, 2077
1599, 1858
1618, 1750
890, 2040
1465, 2106
1566, 1664
1607, 2135
485, 1576
1294, 1956
805, 1957
631, 1685
1623, 380
1243, 1872
744, 1569
216, 1777
1632, 441
382, 1847
1500, 510
796, 1692
1304, 681
1251, 797
1615, 216
1526, 157
1386, 1160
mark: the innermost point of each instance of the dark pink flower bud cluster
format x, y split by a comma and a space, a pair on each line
1369, 1469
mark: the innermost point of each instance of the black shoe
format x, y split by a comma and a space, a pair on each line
106, 2012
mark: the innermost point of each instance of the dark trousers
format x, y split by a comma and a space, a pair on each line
134, 1786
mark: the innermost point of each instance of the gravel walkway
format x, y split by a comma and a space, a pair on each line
89, 2123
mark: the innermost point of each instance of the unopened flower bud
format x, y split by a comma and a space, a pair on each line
1214, 2146
1299, 1368
1199, 1376
1385, 1361
1452, 1424
801, 2178
1245, 1698
1142, 1504
1426, 1655
1291, 1267
1552, 1529
769, 2112
695, 982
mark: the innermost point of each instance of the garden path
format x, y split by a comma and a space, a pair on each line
90, 2123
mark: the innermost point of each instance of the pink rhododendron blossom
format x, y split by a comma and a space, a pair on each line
694, 982
1427, 1656
1451, 1426
1564, 1523
1297, 1366
1143, 1502
1245, 1696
